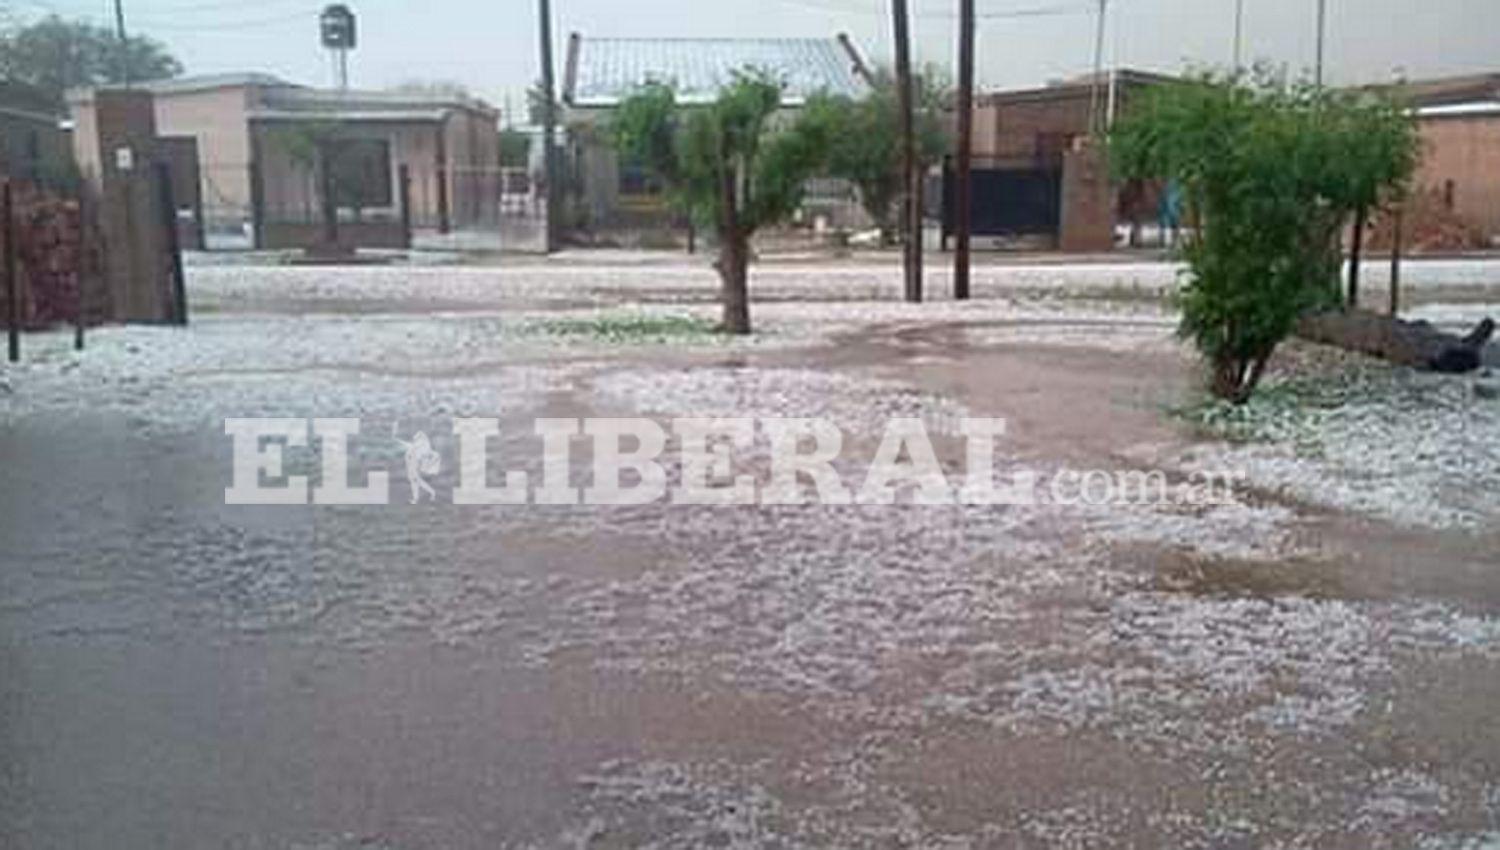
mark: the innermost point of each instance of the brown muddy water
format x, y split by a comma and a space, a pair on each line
178, 673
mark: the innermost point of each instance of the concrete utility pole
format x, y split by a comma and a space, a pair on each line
1322, 35
911, 213
1096, 125
962, 195
549, 123
1239, 34
124, 43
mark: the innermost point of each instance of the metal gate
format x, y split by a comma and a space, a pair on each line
1009, 197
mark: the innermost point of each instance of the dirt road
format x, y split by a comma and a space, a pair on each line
1273, 671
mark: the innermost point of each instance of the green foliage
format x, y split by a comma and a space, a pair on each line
865, 138
692, 148
645, 128
1270, 173
54, 55
355, 165
515, 148
735, 164
629, 327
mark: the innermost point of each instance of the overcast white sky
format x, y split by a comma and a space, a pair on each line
491, 46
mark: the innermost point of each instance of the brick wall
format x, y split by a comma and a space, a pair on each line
1088, 200
1038, 127
1461, 164
55, 254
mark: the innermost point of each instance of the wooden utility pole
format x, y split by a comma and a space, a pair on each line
1096, 82
549, 123
124, 43
911, 213
963, 200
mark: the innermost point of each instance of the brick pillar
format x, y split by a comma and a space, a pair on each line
1088, 208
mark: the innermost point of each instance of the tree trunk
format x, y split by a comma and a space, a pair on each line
734, 279
1361, 216
1415, 344
330, 206
1234, 379
734, 249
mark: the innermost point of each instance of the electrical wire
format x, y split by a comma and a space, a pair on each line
304, 15
1006, 14
149, 23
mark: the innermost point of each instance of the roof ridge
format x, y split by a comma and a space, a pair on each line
732, 39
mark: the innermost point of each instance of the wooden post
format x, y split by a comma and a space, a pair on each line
1396, 236
257, 207
403, 186
12, 284
200, 227
963, 190
445, 220
85, 267
328, 190
911, 214
168, 202
1361, 215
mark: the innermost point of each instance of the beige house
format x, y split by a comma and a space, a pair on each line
257, 142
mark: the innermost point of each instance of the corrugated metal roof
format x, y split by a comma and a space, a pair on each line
387, 116
354, 100
204, 82
603, 71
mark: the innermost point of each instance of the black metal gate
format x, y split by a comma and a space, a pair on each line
1009, 198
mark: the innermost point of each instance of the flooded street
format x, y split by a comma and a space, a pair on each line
1311, 666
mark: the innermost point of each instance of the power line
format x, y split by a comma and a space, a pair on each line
150, 23
1007, 14
304, 15
216, 6
153, 19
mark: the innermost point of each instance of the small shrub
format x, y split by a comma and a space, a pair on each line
1271, 173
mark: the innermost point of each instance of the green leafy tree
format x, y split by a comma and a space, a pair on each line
54, 55
435, 88
735, 165
515, 148
1270, 173
865, 135
349, 170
